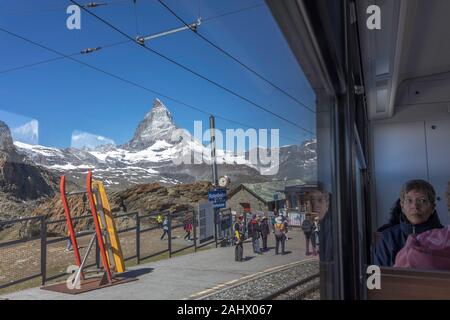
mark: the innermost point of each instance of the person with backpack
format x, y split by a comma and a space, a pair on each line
159, 220
286, 226
238, 228
254, 231
307, 228
280, 235
265, 230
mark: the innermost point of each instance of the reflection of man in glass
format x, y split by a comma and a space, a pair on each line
319, 203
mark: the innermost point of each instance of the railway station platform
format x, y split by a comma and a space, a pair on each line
189, 276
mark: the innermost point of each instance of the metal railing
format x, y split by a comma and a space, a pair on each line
138, 241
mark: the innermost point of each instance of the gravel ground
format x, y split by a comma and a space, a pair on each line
262, 286
302, 292
315, 295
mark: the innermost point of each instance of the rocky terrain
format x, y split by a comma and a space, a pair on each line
144, 199
23, 185
19, 176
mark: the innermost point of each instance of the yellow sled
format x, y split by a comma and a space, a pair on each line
110, 227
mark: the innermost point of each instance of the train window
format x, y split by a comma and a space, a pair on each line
207, 119
179, 108
294, 20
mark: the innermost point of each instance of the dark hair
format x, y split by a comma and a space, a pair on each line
419, 185
395, 213
394, 216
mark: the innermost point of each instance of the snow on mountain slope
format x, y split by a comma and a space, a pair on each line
151, 155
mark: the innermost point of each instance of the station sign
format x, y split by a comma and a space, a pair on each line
218, 197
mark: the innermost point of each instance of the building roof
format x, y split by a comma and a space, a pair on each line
300, 188
265, 190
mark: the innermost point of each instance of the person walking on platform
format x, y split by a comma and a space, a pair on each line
239, 239
265, 231
280, 235
188, 229
122, 205
165, 227
307, 227
159, 220
69, 246
254, 231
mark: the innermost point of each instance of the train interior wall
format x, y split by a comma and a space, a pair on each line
413, 144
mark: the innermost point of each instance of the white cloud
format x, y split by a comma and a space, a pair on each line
27, 133
82, 140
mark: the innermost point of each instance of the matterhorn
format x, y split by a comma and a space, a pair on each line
151, 156
157, 125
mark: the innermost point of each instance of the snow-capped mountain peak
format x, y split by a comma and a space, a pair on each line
157, 125
151, 156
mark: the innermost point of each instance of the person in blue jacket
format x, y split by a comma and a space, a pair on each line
418, 203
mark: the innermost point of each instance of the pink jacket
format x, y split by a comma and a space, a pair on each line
429, 250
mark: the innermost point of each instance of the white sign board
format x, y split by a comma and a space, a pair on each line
296, 219
206, 221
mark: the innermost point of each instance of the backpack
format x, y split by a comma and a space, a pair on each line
307, 226
238, 227
429, 250
238, 232
279, 229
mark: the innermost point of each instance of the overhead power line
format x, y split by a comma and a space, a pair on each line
140, 39
82, 52
235, 59
194, 72
121, 42
233, 12
70, 57
45, 9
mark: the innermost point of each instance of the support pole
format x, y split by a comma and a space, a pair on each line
43, 250
212, 128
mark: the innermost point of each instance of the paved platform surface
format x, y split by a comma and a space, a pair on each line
187, 276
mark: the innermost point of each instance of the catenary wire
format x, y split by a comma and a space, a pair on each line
130, 82
233, 12
235, 59
28, 65
194, 72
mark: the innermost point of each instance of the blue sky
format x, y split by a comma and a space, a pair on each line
65, 97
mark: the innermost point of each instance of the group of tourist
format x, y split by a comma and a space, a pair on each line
258, 229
